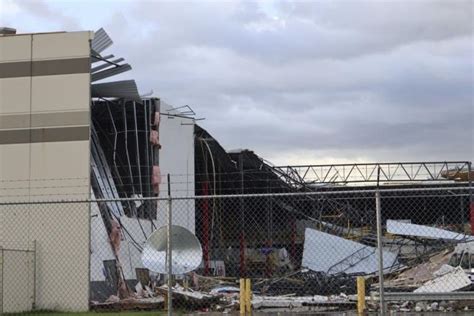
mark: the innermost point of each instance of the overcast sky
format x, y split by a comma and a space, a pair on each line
297, 82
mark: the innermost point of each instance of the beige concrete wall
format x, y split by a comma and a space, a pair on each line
44, 156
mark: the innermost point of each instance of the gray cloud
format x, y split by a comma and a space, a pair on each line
46, 14
310, 81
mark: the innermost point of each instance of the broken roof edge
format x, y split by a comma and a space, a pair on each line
91, 33
126, 89
397, 227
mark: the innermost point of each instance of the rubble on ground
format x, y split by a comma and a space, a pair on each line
426, 306
290, 302
187, 298
449, 279
308, 282
437, 270
416, 276
132, 303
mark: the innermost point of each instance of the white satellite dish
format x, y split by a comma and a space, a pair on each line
186, 251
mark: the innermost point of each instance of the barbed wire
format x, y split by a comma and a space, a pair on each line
332, 194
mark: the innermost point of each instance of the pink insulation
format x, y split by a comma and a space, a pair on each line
154, 137
115, 236
156, 122
156, 179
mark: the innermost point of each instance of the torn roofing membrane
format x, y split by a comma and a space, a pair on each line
101, 41
414, 230
117, 89
351, 257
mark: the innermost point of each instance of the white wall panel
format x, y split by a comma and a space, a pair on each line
177, 159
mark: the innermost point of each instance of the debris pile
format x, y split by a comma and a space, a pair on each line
307, 282
447, 270
447, 279
301, 303
189, 299
430, 306
415, 277
324, 283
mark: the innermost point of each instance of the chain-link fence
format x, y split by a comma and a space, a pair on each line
433, 244
17, 289
298, 251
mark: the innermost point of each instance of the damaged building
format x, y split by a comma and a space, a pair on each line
69, 131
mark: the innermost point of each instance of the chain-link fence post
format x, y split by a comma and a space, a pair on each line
379, 245
33, 305
170, 252
471, 202
1, 280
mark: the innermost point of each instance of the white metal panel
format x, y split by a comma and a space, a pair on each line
101, 40
408, 229
119, 89
177, 159
322, 251
449, 282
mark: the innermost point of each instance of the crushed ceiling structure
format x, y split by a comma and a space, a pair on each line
124, 164
125, 170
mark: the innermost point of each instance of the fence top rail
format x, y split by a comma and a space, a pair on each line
450, 190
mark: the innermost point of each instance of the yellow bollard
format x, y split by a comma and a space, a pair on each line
360, 296
165, 303
243, 297
248, 296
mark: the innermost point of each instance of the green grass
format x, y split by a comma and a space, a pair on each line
43, 313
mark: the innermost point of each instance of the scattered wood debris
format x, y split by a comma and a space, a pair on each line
413, 278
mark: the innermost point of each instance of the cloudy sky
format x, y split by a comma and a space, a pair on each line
297, 82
